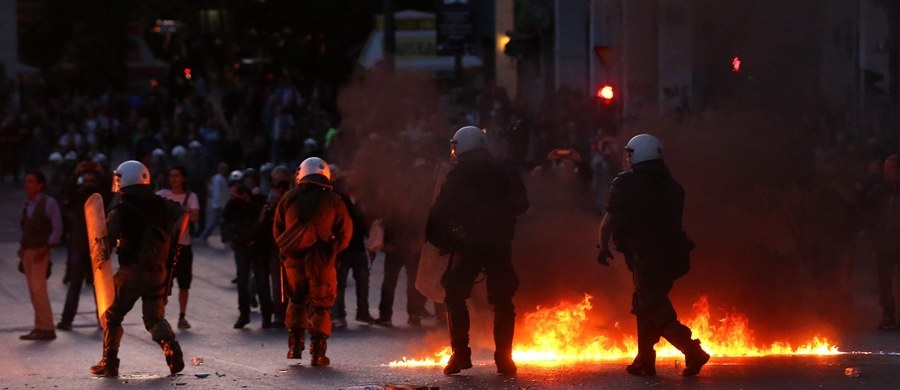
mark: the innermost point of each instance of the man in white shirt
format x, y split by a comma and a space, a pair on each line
184, 264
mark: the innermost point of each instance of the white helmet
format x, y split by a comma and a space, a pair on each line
466, 139
644, 147
100, 158
71, 155
178, 151
55, 157
158, 152
236, 175
313, 166
130, 173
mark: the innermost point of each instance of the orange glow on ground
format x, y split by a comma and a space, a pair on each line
558, 335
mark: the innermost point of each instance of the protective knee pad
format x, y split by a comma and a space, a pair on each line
112, 319
320, 322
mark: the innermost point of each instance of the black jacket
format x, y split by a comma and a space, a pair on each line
477, 204
244, 221
645, 206
143, 224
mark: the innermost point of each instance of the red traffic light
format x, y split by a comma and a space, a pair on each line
606, 93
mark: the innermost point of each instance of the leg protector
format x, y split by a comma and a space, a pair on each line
458, 321
318, 346
108, 366
296, 340
504, 330
174, 357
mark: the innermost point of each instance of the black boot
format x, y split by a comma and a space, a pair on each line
694, 359
648, 335
108, 366
680, 337
644, 364
244, 319
504, 329
317, 348
505, 363
296, 339
460, 360
174, 357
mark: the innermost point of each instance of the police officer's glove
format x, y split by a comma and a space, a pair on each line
604, 256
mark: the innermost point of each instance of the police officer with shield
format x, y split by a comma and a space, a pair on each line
141, 227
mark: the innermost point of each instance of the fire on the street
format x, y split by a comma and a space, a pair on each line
559, 335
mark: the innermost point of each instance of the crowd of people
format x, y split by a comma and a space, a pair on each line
227, 157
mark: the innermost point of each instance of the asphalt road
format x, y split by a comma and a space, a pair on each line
255, 358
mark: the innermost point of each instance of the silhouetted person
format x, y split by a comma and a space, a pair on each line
473, 219
643, 217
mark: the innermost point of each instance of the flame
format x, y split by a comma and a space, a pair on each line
559, 335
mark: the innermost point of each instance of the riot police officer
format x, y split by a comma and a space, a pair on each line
141, 226
644, 212
473, 219
311, 226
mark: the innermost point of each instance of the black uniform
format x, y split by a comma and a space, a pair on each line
249, 240
644, 212
78, 264
355, 259
474, 218
311, 272
142, 224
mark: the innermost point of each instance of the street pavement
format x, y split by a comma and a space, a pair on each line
254, 358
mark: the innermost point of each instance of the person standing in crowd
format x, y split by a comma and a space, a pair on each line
355, 259
218, 196
243, 215
403, 239
473, 219
42, 228
78, 267
141, 227
643, 217
312, 225
280, 184
178, 193
883, 212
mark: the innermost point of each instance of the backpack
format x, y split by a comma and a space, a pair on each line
300, 236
